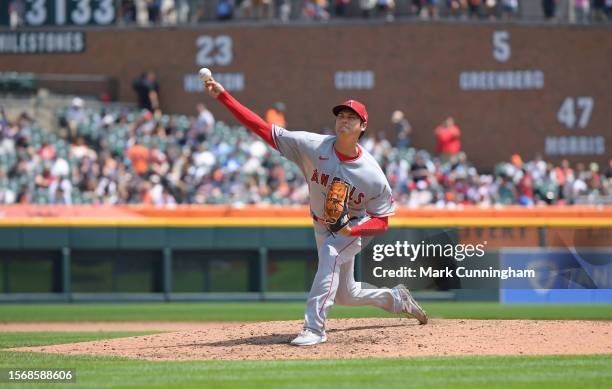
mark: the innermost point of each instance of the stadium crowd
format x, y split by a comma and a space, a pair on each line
173, 12
121, 156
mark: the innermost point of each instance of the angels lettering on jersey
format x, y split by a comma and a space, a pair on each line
323, 180
314, 154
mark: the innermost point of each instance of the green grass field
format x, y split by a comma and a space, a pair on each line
461, 372
283, 311
26, 339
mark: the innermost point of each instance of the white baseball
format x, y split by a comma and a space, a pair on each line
205, 74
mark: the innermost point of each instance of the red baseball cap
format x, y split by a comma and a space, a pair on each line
354, 105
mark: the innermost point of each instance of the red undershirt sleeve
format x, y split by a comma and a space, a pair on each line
248, 118
374, 226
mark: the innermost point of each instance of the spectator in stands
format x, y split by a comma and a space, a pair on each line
433, 10
60, 191
205, 119
582, 9
284, 10
154, 8
609, 170
505, 192
80, 150
594, 178
60, 168
475, 9
416, 7
276, 114
422, 185
168, 12
127, 12
234, 168
44, 179
366, 7
7, 139
599, 10
199, 128
457, 8
564, 178
47, 152
378, 146
16, 10
340, 7
198, 10
183, 8
3, 120
402, 129
142, 194
420, 169
147, 91
204, 160
510, 9
525, 188
23, 196
491, 9
579, 186
448, 139
315, 10
75, 116
550, 8
225, 10
262, 9
139, 158
386, 9
545, 186
7, 195
608, 9
4, 180
158, 161
165, 199
145, 125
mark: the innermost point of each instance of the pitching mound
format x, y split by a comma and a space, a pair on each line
358, 338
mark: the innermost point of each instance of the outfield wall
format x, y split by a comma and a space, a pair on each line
546, 85
196, 253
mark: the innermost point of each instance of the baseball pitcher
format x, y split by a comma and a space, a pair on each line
349, 198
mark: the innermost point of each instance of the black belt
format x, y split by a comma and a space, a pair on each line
322, 221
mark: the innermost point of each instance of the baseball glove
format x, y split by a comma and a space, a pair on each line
336, 205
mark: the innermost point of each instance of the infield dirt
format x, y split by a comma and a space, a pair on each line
347, 338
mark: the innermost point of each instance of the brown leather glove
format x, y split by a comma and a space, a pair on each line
336, 205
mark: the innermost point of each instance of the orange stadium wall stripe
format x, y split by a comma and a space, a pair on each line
205, 215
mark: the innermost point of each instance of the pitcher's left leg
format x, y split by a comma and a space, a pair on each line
396, 300
353, 293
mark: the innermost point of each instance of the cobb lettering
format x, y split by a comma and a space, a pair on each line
328, 160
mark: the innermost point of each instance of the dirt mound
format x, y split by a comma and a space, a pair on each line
358, 338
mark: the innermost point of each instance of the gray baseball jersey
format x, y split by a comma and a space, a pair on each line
314, 154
